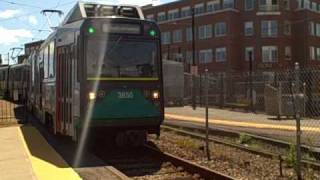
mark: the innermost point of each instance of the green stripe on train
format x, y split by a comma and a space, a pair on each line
114, 107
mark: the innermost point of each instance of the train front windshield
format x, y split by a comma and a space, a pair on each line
122, 58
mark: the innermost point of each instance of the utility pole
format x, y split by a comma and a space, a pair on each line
207, 114
194, 69
251, 81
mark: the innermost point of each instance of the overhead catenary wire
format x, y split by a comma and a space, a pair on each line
20, 4
32, 13
36, 12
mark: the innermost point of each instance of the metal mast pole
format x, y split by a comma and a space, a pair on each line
194, 65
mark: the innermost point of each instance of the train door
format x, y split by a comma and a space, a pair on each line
64, 89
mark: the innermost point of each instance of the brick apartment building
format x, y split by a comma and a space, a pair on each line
276, 33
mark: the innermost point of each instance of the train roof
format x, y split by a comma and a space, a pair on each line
3, 67
83, 10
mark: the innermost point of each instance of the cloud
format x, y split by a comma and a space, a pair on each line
9, 36
33, 20
9, 13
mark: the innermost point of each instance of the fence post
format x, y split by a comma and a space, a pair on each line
221, 91
200, 90
194, 93
298, 119
207, 114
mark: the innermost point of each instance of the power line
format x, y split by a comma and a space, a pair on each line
35, 12
20, 4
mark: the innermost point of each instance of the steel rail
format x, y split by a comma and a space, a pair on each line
188, 166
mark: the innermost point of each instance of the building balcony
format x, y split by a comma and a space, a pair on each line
269, 8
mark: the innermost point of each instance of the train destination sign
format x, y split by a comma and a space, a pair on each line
122, 28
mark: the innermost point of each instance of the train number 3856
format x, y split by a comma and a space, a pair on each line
125, 95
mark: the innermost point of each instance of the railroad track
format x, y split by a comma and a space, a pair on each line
148, 162
199, 133
103, 162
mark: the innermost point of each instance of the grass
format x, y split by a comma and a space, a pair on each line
187, 143
245, 139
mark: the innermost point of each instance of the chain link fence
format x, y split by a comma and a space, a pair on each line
279, 105
13, 100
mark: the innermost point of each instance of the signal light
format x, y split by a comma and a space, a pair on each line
91, 30
152, 33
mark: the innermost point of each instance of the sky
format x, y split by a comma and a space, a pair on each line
21, 21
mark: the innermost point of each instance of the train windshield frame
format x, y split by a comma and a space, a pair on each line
122, 57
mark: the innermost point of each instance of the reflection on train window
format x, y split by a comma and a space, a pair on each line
121, 59
46, 63
51, 61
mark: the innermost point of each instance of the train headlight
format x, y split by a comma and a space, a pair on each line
155, 95
92, 96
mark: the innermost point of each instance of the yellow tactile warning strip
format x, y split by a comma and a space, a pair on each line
242, 124
47, 164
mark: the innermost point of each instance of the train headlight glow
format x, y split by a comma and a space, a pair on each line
92, 96
155, 95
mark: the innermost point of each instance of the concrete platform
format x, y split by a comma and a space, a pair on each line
25, 154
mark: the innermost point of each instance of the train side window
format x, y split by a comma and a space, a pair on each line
78, 59
45, 61
51, 60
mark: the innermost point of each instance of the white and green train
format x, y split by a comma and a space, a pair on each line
100, 69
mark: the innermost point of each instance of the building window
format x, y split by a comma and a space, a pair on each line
165, 56
287, 28
269, 28
162, 17
188, 34
150, 17
185, 12
177, 36
287, 52
221, 54
228, 4
286, 4
205, 56
268, 5
220, 29
189, 57
248, 28
166, 37
304, 4
249, 51
199, 9
269, 54
314, 6
318, 30
249, 5
312, 53
205, 31
213, 6
173, 14
318, 54
312, 28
